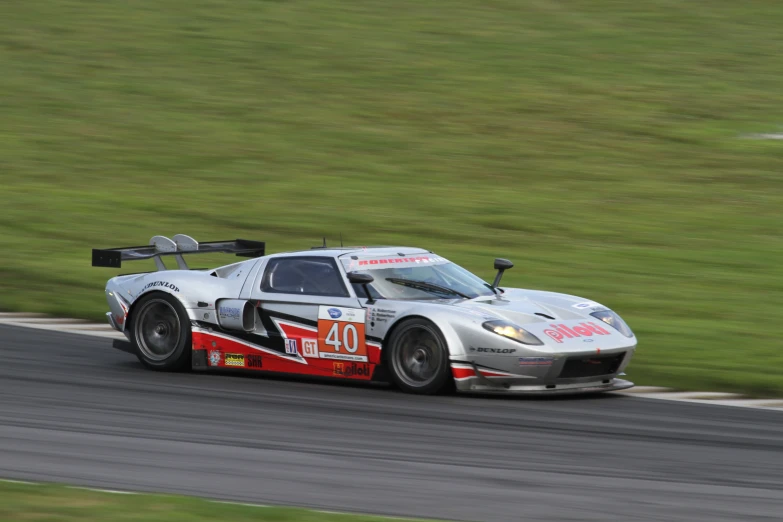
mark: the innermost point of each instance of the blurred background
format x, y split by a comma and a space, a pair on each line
626, 152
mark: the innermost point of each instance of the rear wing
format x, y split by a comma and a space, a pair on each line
181, 244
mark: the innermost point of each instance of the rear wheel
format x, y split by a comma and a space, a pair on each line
160, 332
418, 357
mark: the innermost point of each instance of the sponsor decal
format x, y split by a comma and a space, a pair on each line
341, 337
398, 260
352, 315
558, 332
310, 348
254, 361
161, 283
342, 357
229, 312
290, 347
351, 370
214, 357
536, 361
234, 359
586, 304
381, 315
493, 350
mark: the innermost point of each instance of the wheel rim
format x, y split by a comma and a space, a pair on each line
157, 330
418, 356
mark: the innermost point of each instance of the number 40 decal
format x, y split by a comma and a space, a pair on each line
341, 333
350, 337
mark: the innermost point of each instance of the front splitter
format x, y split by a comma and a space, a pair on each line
559, 389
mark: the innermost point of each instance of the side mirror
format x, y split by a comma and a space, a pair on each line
501, 265
364, 279
360, 278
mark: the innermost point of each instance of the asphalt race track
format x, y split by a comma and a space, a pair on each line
75, 410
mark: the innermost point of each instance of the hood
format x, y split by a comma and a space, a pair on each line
560, 320
525, 307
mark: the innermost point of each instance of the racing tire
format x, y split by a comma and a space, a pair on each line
160, 333
418, 357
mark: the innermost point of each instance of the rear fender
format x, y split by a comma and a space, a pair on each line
119, 307
135, 304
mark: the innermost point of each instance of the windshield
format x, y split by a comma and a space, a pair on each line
417, 277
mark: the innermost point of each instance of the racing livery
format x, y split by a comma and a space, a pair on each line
399, 314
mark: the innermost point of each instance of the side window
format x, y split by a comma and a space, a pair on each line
304, 276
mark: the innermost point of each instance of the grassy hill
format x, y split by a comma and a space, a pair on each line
599, 144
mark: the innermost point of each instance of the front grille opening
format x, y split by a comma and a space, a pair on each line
550, 386
591, 366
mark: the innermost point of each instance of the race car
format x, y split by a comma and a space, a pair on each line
397, 314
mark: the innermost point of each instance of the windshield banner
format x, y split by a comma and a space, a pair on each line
375, 263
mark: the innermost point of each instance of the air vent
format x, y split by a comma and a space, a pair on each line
544, 315
580, 366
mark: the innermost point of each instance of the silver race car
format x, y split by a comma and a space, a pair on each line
398, 314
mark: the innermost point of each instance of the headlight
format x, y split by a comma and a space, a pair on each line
613, 320
512, 331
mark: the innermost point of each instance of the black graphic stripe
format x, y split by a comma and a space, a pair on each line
274, 339
286, 317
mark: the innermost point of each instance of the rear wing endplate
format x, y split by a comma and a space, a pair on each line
181, 244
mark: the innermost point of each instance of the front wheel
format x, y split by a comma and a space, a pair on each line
418, 357
160, 332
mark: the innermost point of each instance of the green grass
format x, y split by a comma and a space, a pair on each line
596, 143
52, 503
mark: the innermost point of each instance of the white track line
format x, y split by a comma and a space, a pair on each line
75, 326
112, 491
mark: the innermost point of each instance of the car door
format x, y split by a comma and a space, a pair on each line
311, 317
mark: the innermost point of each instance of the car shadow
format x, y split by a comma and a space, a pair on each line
135, 365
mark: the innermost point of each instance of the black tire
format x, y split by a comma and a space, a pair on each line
418, 357
160, 332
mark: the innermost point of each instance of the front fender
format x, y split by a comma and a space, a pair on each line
453, 341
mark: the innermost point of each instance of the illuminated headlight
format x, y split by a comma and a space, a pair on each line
512, 331
613, 320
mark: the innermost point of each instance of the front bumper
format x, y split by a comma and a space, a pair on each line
555, 374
